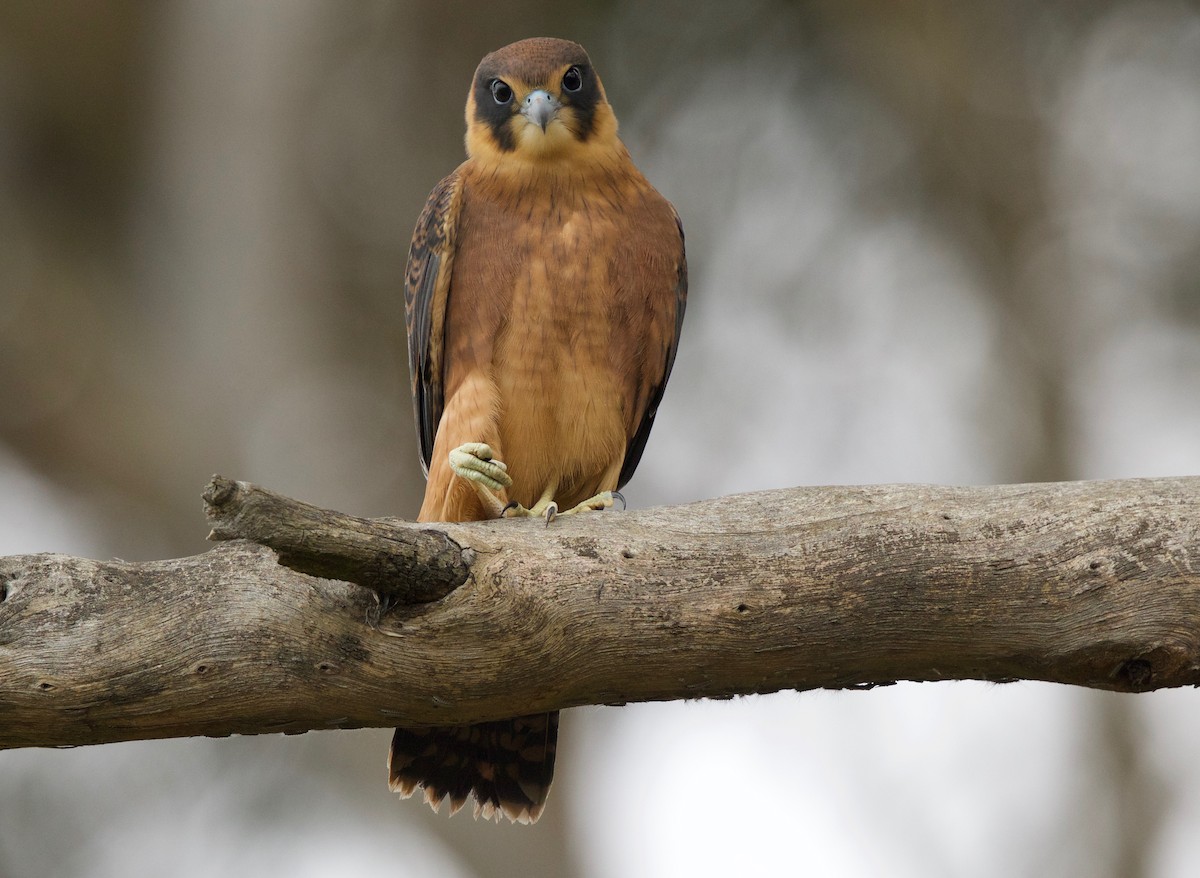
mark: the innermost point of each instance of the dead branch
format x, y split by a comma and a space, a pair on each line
1089, 583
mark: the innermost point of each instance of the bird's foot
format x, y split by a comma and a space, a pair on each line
546, 508
603, 500
475, 462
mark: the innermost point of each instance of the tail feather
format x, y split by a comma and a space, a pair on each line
506, 765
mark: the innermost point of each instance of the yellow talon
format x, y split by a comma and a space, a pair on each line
475, 462
548, 509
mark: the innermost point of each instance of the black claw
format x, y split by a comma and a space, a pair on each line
617, 495
551, 513
511, 504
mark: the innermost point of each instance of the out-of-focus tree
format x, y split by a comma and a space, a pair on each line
928, 241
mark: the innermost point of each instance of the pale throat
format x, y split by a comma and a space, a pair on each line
555, 155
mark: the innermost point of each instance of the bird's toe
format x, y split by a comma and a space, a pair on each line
475, 461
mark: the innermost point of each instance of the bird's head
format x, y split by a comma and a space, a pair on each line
539, 102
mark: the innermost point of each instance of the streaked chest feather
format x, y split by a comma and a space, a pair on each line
563, 287
560, 384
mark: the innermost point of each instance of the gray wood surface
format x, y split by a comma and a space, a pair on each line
1088, 583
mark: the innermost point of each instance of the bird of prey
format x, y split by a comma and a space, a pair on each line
544, 294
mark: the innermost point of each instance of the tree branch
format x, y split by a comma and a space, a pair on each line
1090, 583
403, 562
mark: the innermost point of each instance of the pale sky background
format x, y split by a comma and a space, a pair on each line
928, 242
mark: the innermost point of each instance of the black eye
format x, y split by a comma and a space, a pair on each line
573, 79
501, 93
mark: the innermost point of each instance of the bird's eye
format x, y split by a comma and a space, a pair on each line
573, 79
501, 93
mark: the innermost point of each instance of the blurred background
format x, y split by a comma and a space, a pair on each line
931, 241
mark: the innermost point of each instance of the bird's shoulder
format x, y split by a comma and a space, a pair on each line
426, 286
436, 223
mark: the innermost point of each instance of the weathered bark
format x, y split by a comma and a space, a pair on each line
1090, 583
404, 563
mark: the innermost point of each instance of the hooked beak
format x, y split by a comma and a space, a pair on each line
540, 107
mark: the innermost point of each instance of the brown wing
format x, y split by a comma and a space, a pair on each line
672, 307
426, 290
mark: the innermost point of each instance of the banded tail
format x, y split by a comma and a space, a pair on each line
506, 765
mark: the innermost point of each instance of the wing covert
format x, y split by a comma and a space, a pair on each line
672, 322
426, 291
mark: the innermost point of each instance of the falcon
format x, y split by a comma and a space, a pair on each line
544, 295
